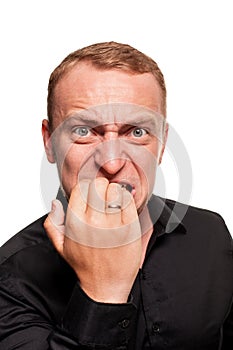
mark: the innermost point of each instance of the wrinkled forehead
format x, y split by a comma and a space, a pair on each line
116, 113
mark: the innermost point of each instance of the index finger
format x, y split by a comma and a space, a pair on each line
78, 197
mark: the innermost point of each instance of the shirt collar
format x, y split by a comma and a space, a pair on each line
166, 215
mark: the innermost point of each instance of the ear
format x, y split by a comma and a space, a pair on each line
47, 141
164, 142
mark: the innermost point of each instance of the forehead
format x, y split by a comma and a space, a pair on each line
84, 87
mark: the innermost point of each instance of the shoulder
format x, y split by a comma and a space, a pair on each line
200, 221
31, 236
33, 273
30, 256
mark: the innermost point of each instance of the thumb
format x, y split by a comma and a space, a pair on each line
54, 225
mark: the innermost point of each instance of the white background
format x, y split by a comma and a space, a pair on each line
190, 40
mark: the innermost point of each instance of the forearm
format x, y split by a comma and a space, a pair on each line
96, 323
84, 325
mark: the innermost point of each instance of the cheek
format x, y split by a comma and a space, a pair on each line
145, 162
147, 175
147, 158
72, 161
69, 160
152, 164
155, 148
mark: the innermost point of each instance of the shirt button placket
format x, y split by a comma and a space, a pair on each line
143, 275
124, 324
155, 328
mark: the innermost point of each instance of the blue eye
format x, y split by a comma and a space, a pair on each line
139, 132
82, 131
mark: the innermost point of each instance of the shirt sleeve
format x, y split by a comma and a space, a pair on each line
227, 343
86, 324
227, 332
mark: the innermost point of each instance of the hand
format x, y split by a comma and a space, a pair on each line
102, 245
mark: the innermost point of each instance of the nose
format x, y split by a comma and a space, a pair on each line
109, 157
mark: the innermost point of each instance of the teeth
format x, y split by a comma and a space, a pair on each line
127, 187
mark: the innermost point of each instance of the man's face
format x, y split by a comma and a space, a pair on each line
107, 124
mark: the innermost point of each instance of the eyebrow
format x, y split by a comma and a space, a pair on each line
134, 119
78, 120
142, 120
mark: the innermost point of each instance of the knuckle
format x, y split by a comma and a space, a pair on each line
101, 181
114, 186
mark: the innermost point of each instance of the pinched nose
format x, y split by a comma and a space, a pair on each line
110, 156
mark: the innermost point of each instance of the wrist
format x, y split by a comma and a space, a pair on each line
109, 294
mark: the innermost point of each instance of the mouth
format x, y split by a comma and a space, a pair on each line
127, 186
130, 188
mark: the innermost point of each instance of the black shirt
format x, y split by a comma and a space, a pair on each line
181, 298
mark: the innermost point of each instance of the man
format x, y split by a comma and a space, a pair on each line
113, 266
